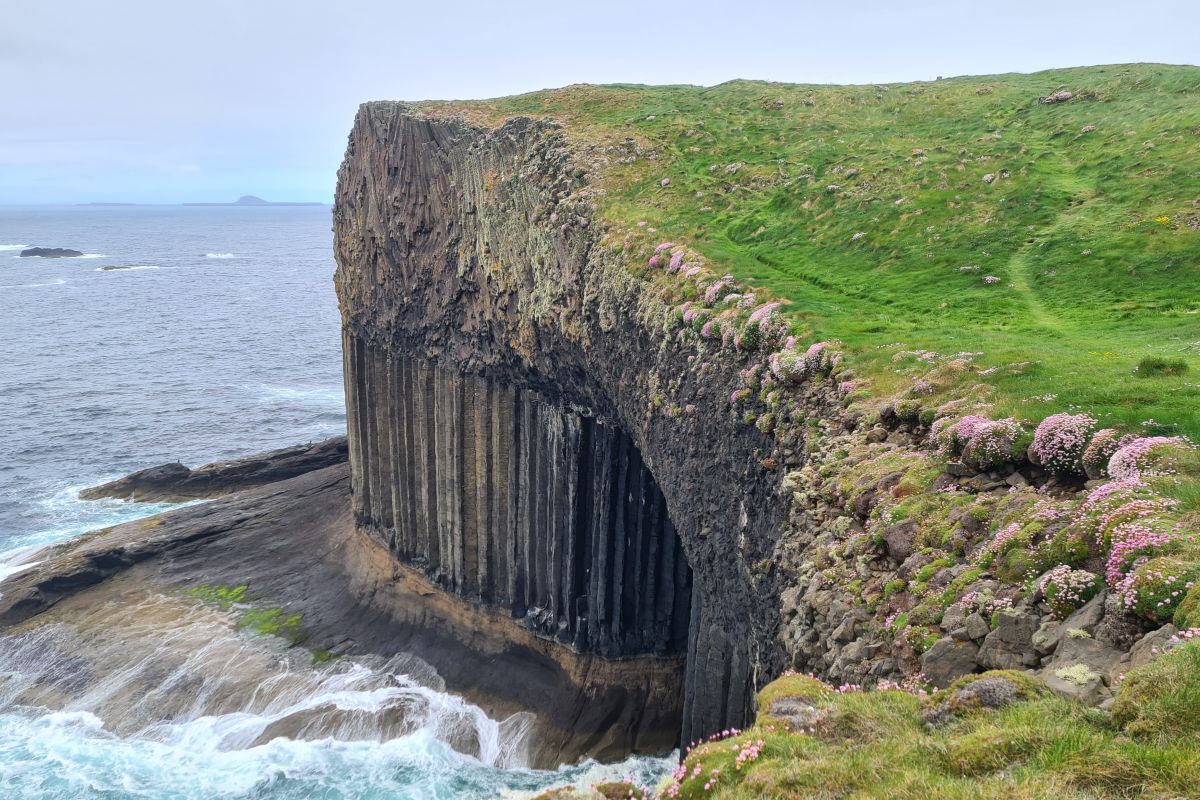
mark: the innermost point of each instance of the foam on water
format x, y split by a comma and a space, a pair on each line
219, 255
13, 247
350, 729
69, 516
62, 258
55, 282
69, 755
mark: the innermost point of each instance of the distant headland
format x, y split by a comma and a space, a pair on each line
251, 200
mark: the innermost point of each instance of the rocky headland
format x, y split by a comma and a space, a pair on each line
591, 477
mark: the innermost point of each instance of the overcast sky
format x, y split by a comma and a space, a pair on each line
179, 100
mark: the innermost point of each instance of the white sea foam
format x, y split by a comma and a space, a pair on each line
14, 247
219, 255
16, 560
370, 729
69, 516
321, 396
55, 282
63, 258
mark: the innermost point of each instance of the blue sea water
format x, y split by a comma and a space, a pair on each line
221, 339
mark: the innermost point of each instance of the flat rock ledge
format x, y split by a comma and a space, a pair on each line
293, 543
176, 483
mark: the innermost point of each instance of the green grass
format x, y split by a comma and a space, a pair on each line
877, 744
267, 621
1095, 236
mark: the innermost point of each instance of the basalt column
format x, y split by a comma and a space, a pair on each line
500, 496
530, 423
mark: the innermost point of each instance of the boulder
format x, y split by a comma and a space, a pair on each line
1099, 658
1010, 645
1087, 616
900, 539
954, 617
797, 714
1118, 628
1076, 684
993, 691
50, 252
1056, 97
1047, 636
1150, 646
948, 660
976, 626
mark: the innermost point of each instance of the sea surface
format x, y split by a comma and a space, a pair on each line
218, 337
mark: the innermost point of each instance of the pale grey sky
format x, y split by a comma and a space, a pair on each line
177, 100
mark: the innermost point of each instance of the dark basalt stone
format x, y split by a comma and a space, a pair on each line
463, 250
176, 483
50, 252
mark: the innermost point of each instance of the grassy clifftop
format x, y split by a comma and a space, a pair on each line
1057, 243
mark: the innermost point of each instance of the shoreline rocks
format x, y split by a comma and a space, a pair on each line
294, 545
176, 483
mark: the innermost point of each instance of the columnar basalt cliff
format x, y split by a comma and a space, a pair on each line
504, 372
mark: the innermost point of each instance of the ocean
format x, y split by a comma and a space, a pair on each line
217, 337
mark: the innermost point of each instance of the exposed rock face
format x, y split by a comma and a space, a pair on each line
175, 483
50, 252
295, 546
451, 267
498, 495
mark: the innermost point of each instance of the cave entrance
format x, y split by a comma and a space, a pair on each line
500, 494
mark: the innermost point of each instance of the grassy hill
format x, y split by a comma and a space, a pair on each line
878, 211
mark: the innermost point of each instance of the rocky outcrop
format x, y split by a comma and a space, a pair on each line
470, 255
294, 545
50, 252
175, 483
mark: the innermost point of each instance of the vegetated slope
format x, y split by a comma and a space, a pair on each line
996, 735
1059, 242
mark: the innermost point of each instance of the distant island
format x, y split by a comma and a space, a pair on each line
251, 200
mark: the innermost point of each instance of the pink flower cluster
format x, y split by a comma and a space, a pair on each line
1126, 462
749, 751
718, 289
1132, 545
818, 357
762, 313
1095, 457
1060, 440
983, 443
999, 544
788, 366
1183, 637
1067, 589
992, 444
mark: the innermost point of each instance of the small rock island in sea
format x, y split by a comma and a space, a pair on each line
50, 252
252, 200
